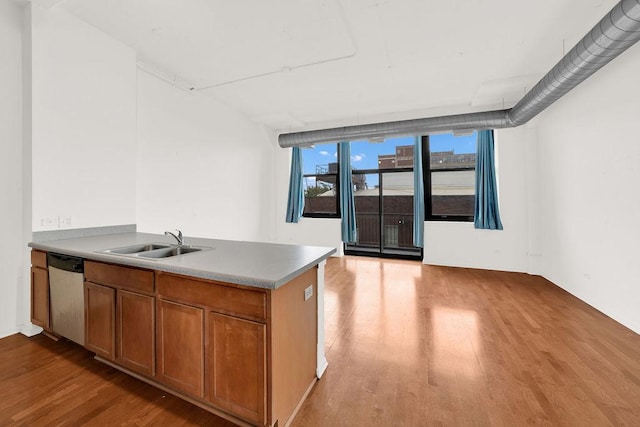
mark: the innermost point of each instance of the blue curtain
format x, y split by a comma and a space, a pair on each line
418, 195
487, 214
295, 202
347, 205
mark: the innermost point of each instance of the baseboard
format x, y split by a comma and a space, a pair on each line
322, 366
178, 394
7, 332
299, 405
30, 330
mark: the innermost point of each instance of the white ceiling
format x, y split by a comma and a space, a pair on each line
306, 64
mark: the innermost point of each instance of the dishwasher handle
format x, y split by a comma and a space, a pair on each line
65, 262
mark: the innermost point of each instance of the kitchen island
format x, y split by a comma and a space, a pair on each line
233, 327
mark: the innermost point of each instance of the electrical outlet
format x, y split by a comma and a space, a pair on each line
65, 221
49, 222
308, 293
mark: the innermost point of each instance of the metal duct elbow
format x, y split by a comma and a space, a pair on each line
614, 34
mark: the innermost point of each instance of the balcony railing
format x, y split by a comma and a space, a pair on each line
398, 229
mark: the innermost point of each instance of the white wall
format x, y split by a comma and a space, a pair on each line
84, 123
507, 250
201, 166
589, 148
568, 182
11, 187
459, 244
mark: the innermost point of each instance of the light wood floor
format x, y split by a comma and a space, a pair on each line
407, 344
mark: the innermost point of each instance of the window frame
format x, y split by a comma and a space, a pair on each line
338, 213
426, 177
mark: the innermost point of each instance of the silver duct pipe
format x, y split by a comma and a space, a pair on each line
614, 34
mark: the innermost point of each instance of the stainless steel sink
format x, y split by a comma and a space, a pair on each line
168, 252
134, 249
153, 250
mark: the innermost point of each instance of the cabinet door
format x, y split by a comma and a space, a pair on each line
135, 323
40, 297
99, 306
180, 347
236, 366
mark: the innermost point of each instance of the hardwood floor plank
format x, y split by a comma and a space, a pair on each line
407, 345
468, 347
44, 383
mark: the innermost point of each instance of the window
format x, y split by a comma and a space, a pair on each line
449, 165
383, 191
320, 181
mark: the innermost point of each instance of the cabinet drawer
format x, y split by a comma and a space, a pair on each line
119, 276
218, 297
38, 259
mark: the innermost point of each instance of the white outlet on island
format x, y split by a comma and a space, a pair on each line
308, 292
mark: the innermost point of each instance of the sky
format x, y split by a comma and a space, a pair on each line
364, 155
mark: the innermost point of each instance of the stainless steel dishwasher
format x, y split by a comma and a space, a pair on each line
66, 277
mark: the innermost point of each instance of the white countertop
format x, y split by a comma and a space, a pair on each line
263, 265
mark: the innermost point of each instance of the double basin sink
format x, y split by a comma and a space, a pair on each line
153, 250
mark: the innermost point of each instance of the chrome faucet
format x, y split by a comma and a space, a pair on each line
178, 237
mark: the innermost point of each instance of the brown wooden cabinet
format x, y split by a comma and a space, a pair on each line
245, 353
120, 315
236, 366
212, 343
135, 326
40, 290
99, 314
180, 347
40, 297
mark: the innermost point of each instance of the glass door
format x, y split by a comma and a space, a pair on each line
366, 195
384, 214
397, 213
